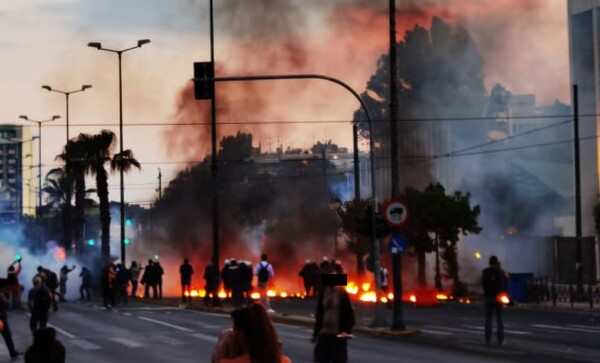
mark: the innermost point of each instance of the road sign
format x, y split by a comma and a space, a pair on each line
395, 213
397, 244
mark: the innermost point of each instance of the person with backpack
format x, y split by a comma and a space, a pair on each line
186, 271
5, 330
494, 282
39, 301
264, 273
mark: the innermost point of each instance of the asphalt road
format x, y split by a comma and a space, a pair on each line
151, 333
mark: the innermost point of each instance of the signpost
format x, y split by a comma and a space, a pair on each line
395, 214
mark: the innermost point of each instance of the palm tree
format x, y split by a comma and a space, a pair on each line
99, 153
56, 187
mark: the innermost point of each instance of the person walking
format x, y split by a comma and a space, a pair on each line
255, 332
45, 348
86, 285
334, 320
5, 331
264, 273
39, 301
64, 276
493, 283
186, 271
134, 275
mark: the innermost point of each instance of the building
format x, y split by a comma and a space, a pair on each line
18, 180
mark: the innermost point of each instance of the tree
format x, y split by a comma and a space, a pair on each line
56, 187
353, 215
440, 75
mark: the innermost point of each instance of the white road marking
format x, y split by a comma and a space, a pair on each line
585, 327
510, 331
555, 327
206, 337
167, 340
434, 332
63, 332
127, 314
85, 344
444, 328
166, 324
294, 335
127, 342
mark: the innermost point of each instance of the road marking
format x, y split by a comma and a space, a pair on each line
210, 326
127, 342
206, 337
586, 327
434, 332
166, 324
543, 326
63, 332
516, 332
85, 344
452, 329
294, 335
167, 340
127, 314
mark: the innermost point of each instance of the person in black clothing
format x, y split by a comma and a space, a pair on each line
226, 277
39, 302
246, 275
50, 280
86, 285
108, 284
211, 278
122, 283
309, 273
149, 280
6, 333
493, 282
64, 276
45, 348
158, 278
186, 271
334, 320
238, 283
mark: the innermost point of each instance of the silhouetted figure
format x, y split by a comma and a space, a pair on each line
39, 301
134, 273
246, 276
13, 287
237, 283
337, 267
122, 283
64, 276
108, 284
149, 280
226, 277
309, 274
158, 273
50, 279
86, 285
211, 279
6, 333
186, 271
493, 282
45, 348
264, 274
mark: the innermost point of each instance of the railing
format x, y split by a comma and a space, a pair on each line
544, 289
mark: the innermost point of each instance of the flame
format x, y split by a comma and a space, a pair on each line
60, 254
255, 296
412, 298
441, 297
503, 298
366, 286
271, 293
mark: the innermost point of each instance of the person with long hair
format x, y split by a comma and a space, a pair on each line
253, 330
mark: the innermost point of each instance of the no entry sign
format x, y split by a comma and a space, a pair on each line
395, 213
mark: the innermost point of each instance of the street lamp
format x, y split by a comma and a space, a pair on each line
98, 46
67, 93
39, 123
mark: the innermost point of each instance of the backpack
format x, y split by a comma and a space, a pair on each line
263, 273
41, 299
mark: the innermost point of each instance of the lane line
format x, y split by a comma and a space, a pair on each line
585, 327
126, 342
434, 332
166, 324
580, 330
62, 331
294, 335
206, 337
85, 344
510, 331
443, 328
167, 340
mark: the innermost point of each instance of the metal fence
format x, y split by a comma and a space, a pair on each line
544, 289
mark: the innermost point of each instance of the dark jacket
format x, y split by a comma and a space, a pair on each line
346, 313
493, 281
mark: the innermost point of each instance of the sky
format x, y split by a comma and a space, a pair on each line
43, 42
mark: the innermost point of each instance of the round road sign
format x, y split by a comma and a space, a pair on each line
395, 213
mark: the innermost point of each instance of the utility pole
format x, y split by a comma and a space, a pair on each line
356, 162
213, 158
398, 317
159, 184
578, 241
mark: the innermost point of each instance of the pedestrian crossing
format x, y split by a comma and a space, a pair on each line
522, 330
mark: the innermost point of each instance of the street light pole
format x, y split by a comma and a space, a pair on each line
98, 46
67, 94
39, 123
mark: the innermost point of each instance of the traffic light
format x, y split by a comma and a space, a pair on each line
128, 222
126, 241
91, 242
204, 84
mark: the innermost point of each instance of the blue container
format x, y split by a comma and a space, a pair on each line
517, 286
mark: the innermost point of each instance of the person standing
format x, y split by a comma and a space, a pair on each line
186, 271
50, 280
134, 273
211, 278
6, 333
107, 282
226, 277
308, 274
334, 320
493, 283
158, 278
39, 301
122, 283
86, 285
264, 273
148, 280
64, 276
13, 287
45, 347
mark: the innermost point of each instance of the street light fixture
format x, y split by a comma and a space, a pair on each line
98, 46
67, 93
39, 123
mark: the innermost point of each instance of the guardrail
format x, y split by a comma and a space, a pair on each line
544, 289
